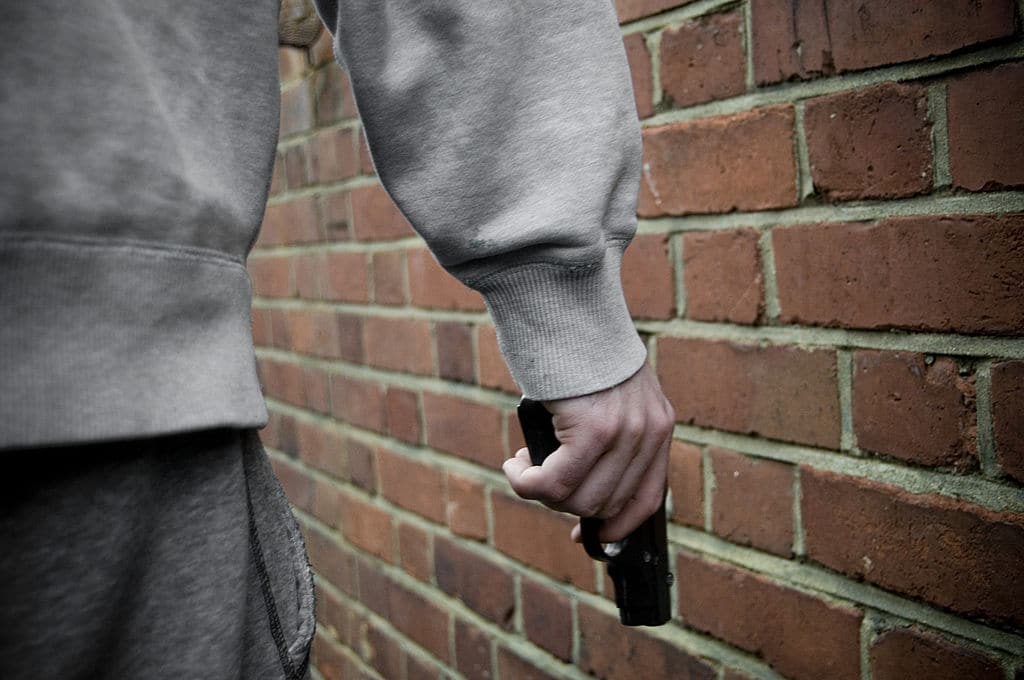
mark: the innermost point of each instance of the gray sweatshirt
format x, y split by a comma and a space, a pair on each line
137, 140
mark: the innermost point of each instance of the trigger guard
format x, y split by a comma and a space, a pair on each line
589, 528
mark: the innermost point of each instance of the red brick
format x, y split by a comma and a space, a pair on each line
686, 480
398, 344
803, 637
464, 428
318, 389
272, 276
1008, 416
455, 351
511, 665
375, 217
357, 402
703, 59
317, 333
952, 554
914, 409
483, 586
403, 415
956, 273
389, 271
380, 651
322, 50
753, 501
876, 32
333, 156
367, 526
467, 509
789, 40
913, 653
293, 221
473, 651
417, 668
628, 10
733, 674
296, 166
335, 615
330, 661
277, 177
261, 333
280, 332
433, 287
331, 560
613, 652
414, 552
283, 381
307, 269
327, 503
714, 165
323, 450
412, 485
419, 619
296, 482
722, 276
647, 278
640, 69
531, 533
334, 100
362, 465
296, 109
335, 216
291, 63
345, 277
985, 120
365, 159
494, 371
781, 392
547, 618
874, 142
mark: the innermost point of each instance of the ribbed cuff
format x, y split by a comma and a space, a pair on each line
564, 331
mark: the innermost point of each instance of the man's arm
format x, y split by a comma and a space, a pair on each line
507, 134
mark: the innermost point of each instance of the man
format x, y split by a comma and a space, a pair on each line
147, 537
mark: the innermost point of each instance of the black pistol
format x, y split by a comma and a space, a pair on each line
638, 564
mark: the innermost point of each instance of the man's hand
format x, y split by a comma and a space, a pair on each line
613, 460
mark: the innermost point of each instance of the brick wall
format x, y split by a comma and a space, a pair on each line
829, 273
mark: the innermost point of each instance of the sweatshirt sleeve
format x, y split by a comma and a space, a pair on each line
507, 134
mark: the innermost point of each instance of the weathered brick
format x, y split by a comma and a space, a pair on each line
912, 653
418, 668
511, 665
414, 552
467, 509
278, 179
431, 286
403, 415
611, 651
334, 99
291, 63
333, 156
336, 216
272, 276
323, 450
358, 402
985, 120
703, 59
493, 369
261, 329
322, 50
413, 485
389, 276
955, 273
913, 408
640, 69
367, 526
330, 661
375, 217
317, 333
419, 619
327, 503
1008, 416
335, 615
947, 552
789, 39
647, 278
738, 162
293, 221
365, 158
547, 618
722, 276
539, 537
398, 344
463, 428
753, 501
362, 465
473, 651
628, 10
331, 560
318, 389
345, 277
874, 142
686, 480
455, 351
296, 109
307, 268
282, 381
296, 166
804, 638
296, 482
781, 392
482, 585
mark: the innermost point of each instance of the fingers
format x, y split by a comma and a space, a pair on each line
645, 501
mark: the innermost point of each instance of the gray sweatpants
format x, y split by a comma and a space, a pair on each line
174, 557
